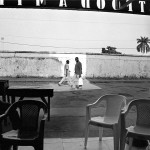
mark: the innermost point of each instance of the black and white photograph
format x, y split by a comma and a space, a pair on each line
74, 75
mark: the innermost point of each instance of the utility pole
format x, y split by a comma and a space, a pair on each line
2, 43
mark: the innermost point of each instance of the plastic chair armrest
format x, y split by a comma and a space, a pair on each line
2, 117
88, 113
42, 124
95, 103
126, 110
89, 107
45, 116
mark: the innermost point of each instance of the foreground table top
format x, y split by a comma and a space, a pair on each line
23, 92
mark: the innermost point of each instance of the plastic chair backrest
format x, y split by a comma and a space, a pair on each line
114, 105
143, 111
28, 111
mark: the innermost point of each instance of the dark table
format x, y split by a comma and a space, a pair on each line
31, 92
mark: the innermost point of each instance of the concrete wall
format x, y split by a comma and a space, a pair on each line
51, 65
117, 66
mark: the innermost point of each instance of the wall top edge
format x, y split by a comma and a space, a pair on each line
37, 52
128, 55
47, 52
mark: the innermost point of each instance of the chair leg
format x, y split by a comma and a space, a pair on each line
15, 147
35, 147
39, 147
122, 142
100, 133
130, 143
116, 137
86, 135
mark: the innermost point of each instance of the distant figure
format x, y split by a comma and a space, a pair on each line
77, 79
66, 76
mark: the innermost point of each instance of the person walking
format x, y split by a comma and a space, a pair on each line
77, 79
66, 76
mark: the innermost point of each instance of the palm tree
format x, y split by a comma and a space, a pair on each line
143, 46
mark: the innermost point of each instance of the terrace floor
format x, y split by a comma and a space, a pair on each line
65, 130
75, 144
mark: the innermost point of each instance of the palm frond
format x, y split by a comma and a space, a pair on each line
143, 46
138, 40
147, 48
138, 48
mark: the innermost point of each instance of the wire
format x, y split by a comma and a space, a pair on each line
43, 45
59, 39
58, 46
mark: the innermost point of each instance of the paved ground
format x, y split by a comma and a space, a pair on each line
74, 144
68, 106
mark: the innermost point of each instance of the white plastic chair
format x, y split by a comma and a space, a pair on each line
111, 118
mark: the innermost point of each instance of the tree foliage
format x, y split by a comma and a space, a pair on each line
143, 46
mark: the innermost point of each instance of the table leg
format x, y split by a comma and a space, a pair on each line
4, 97
48, 108
8, 99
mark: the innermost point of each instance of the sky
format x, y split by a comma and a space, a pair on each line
71, 31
